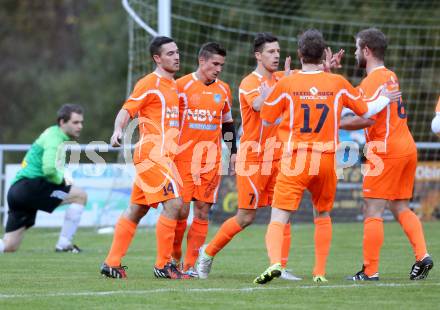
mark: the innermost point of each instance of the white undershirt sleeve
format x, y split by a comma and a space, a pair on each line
376, 106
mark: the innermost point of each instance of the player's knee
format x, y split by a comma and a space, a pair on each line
245, 219
202, 215
202, 211
183, 212
397, 209
171, 208
372, 212
80, 197
322, 214
374, 208
173, 204
135, 213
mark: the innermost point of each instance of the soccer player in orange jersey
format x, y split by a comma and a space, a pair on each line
389, 138
205, 110
435, 124
258, 156
309, 104
155, 101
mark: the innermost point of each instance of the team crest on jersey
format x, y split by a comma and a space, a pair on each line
217, 98
313, 90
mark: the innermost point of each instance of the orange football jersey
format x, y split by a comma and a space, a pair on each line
310, 104
390, 125
155, 101
437, 108
203, 109
253, 130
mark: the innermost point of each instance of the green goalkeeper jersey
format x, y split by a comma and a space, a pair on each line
46, 158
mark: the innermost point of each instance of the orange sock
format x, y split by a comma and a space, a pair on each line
226, 232
323, 239
373, 240
124, 232
178, 237
164, 240
287, 237
274, 241
414, 231
195, 239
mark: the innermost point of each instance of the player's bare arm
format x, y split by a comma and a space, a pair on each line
121, 122
335, 62
265, 90
287, 64
355, 123
332, 61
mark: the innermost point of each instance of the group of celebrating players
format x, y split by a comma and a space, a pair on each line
290, 122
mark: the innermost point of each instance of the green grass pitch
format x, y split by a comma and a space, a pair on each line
38, 278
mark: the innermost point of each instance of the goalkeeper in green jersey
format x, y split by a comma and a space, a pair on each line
41, 185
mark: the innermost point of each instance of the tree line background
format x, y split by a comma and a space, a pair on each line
59, 51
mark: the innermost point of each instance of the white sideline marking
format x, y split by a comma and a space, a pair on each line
203, 290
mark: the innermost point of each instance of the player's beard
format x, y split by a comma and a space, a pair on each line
361, 62
172, 68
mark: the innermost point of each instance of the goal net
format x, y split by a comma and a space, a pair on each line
413, 53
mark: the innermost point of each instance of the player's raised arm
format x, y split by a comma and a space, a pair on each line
352, 99
332, 61
287, 64
274, 105
326, 63
435, 124
335, 62
386, 97
265, 90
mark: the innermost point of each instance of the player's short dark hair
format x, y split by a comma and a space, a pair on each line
375, 40
261, 39
156, 44
311, 45
66, 110
211, 48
